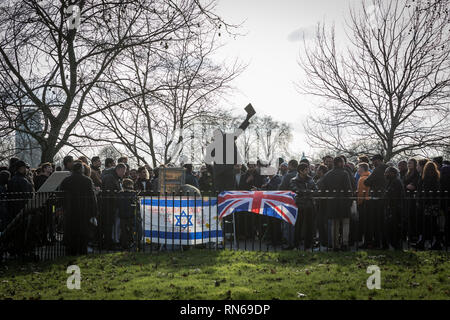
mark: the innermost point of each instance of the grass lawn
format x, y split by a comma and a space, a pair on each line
225, 274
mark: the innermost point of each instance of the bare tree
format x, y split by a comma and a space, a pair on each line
58, 67
178, 87
392, 84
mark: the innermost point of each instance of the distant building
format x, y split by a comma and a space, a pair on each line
27, 147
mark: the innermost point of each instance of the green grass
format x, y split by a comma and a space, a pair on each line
197, 274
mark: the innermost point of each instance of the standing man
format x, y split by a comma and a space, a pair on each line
303, 185
80, 206
111, 185
337, 183
96, 172
375, 207
68, 163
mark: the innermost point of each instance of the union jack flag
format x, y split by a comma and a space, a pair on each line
278, 204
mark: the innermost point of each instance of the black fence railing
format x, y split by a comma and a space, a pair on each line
43, 226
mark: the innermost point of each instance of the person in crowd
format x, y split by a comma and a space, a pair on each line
403, 170
111, 184
58, 168
410, 183
350, 172
87, 170
320, 172
46, 171
328, 161
362, 159
12, 165
395, 195
80, 207
375, 207
251, 179
429, 208
284, 168
143, 183
189, 177
68, 163
123, 159
206, 178
4, 215
292, 172
420, 165
155, 180
412, 176
438, 161
110, 165
83, 159
134, 175
365, 230
337, 183
129, 208
273, 180
445, 192
237, 171
303, 185
321, 217
286, 228
96, 171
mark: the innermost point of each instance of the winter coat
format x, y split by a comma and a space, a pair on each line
79, 204
363, 190
257, 181
286, 180
128, 203
337, 183
376, 181
394, 195
303, 188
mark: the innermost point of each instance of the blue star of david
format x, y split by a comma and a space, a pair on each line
188, 217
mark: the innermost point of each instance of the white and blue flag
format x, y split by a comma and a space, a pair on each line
180, 220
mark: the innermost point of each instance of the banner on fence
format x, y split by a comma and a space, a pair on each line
180, 220
277, 204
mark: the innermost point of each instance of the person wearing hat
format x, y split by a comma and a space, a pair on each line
375, 208
19, 184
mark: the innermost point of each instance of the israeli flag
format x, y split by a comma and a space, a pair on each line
180, 220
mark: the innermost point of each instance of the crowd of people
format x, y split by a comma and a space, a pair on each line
371, 204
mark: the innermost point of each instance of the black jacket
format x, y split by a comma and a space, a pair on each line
257, 182
139, 185
394, 195
80, 205
303, 189
286, 180
337, 183
111, 182
39, 181
376, 181
128, 203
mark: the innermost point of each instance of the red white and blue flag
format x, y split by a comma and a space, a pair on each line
277, 204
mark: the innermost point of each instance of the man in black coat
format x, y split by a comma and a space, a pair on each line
303, 185
80, 206
20, 185
338, 186
375, 207
395, 196
111, 185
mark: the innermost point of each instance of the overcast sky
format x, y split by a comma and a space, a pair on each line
271, 46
